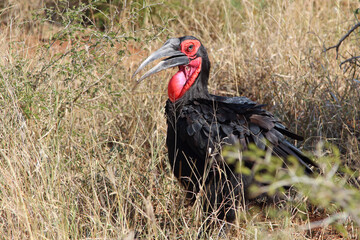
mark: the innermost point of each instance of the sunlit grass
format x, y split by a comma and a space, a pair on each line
83, 155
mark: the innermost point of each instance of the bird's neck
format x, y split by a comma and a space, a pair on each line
199, 88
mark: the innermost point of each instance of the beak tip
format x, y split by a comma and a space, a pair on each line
136, 72
140, 79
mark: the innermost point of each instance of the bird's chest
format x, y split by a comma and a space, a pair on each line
180, 145
187, 160
192, 135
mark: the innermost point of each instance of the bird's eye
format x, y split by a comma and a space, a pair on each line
190, 48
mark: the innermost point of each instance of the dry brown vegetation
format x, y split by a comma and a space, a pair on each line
83, 155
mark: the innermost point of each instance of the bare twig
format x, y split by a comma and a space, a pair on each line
350, 60
337, 46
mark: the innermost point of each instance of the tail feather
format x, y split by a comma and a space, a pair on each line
291, 150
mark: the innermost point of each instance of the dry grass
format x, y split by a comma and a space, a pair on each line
82, 155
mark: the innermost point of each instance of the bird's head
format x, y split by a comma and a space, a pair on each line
190, 56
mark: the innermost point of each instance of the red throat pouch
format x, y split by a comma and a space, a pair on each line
184, 79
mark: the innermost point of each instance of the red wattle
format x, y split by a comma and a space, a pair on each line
175, 86
184, 79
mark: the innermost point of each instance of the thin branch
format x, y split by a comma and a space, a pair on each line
350, 60
337, 46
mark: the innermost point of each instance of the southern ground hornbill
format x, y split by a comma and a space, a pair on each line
200, 124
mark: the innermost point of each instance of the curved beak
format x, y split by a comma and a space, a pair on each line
174, 58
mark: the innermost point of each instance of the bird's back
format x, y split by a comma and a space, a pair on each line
198, 130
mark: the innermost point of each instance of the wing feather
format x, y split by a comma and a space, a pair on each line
215, 123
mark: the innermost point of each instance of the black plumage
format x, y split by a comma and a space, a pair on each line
201, 124
197, 134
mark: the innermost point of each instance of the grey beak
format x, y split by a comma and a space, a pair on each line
170, 50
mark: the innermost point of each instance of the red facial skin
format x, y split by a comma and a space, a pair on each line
187, 74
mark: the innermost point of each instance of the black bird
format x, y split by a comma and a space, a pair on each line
200, 124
